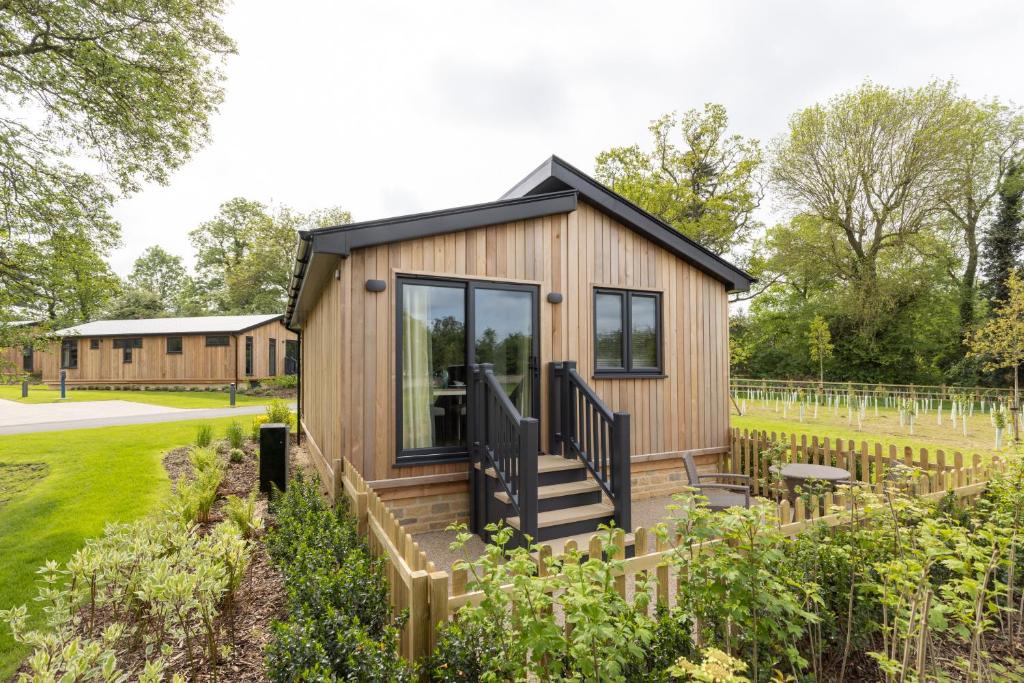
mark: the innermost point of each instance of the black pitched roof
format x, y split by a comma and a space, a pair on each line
558, 175
552, 188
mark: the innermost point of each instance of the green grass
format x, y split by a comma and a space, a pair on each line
883, 429
92, 477
39, 393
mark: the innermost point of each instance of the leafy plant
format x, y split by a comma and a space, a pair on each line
254, 429
242, 511
236, 455
278, 411
203, 459
235, 434
204, 435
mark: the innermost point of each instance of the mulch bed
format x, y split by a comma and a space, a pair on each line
260, 598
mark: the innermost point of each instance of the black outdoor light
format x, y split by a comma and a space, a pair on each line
376, 285
554, 297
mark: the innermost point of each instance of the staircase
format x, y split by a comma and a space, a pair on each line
583, 484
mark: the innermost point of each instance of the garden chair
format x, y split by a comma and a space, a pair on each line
719, 496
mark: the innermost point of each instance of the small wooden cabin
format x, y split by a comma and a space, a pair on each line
207, 350
544, 358
18, 361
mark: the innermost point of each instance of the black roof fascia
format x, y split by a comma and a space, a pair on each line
556, 174
341, 240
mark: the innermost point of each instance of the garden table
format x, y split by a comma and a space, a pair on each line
796, 474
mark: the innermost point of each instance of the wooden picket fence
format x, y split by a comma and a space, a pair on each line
431, 596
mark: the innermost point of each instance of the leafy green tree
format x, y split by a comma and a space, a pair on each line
819, 344
1000, 342
1003, 242
698, 178
95, 98
134, 303
160, 273
244, 255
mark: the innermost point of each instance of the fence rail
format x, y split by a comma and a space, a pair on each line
432, 596
941, 391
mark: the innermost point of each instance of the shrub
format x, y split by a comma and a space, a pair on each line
236, 455
254, 430
339, 625
282, 382
204, 435
278, 411
235, 434
203, 458
159, 582
242, 511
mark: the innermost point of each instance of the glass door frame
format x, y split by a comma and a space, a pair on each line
442, 454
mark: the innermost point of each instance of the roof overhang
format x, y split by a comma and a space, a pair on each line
318, 250
556, 175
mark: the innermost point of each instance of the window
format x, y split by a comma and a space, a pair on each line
248, 355
432, 369
26, 358
217, 340
627, 333
291, 356
94, 344
69, 354
273, 357
173, 345
127, 346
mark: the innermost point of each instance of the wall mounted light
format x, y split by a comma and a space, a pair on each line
554, 297
376, 285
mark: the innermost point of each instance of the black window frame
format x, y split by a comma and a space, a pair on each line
626, 319
181, 345
69, 354
272, 357
28, 358
94, 344
248, 356
127, 346
225, 337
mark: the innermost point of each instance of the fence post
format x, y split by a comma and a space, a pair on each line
438, 605
476, 524
622, 477
555, 391
419, 615
528, 480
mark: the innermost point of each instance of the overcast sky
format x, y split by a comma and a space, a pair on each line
389, 108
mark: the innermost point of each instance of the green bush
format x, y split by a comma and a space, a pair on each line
242, 511
204, 435
235, 434
236, 455
203, 458
282, 382
339, 624
278, 411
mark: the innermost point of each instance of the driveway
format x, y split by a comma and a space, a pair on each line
19, 418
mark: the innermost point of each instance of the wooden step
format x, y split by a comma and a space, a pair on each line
546, 463
567, 515
557, 490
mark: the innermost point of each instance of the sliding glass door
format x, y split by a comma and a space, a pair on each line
443, 327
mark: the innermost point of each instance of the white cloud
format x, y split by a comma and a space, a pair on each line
388, 108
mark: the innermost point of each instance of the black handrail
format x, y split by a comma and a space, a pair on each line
583, 427
505, 442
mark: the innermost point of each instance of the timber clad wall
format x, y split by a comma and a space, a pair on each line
151, 364
349, 337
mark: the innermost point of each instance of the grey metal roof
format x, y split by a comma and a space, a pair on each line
208, 324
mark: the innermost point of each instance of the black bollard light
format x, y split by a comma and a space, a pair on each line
63, 384
232, 394
273, 456
24, 388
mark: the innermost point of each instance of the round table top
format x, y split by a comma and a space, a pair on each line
807, 471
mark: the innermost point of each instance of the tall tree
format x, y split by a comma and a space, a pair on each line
697, 177
819, 344
1003, 242
1000, 342
244, 254
988, 141
95, 98
161, 273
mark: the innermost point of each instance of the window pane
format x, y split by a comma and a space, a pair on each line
433, 366
174, 345
504, 337
608, 330
644, 318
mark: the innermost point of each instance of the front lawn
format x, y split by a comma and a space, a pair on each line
59, 488
40, 393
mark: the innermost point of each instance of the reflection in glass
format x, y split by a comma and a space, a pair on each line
504, 337
608, 330
433, 366
644, 339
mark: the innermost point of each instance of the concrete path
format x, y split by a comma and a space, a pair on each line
16, 418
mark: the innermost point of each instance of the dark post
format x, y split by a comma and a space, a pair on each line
568, 421
476, 474
622, 477
555, 379
528, 481
232, 389
24, 388
274, 467
63, 384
